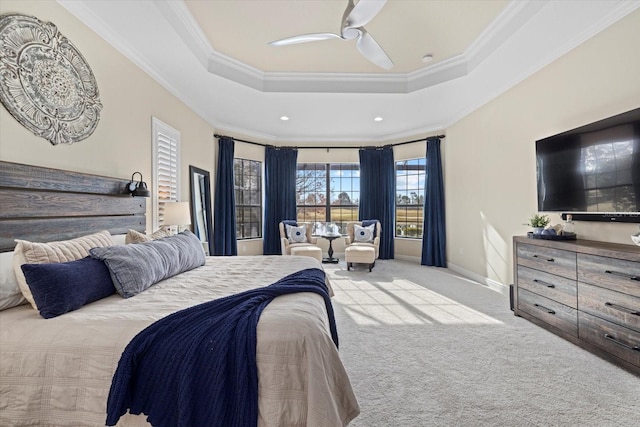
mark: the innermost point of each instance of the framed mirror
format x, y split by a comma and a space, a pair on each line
201, 207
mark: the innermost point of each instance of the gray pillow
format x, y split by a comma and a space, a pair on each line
134, 268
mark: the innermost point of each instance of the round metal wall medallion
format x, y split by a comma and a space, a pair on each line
45, 83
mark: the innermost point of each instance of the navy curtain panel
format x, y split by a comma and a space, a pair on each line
224, 208
280, 194
434, 238
378, 193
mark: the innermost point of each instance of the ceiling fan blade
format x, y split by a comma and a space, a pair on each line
304, 38
371, 50
363, 12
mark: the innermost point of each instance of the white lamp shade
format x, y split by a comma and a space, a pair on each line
176, 213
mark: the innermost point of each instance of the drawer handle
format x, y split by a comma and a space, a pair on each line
548, 285
621, 344
628, 276
548, 259
548, 310
622, 308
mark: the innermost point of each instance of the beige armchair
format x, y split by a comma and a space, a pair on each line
361, 252
286, 246
350, 239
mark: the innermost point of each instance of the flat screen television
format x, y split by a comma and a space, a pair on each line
592, 172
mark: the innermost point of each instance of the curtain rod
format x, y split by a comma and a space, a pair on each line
324, 147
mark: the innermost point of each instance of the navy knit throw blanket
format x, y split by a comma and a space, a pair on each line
197, 367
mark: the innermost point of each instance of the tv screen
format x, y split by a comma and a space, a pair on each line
592, 169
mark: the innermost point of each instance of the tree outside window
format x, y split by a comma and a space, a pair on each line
328, 192
247, 175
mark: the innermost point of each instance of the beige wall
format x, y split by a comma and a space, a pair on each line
121, 144
490, 176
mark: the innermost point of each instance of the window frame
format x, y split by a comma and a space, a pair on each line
326, 193
421, 167
240, 225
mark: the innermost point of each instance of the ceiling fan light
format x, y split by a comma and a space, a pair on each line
351, 33
353, 21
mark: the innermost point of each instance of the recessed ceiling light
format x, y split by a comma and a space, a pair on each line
378, 119
427, 58
284, 118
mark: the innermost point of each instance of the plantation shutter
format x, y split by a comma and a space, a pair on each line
166, 171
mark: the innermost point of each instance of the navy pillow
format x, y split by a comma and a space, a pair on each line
291, 222
368, 222
66, 286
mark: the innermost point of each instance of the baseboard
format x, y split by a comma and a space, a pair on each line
413, 259
492, 284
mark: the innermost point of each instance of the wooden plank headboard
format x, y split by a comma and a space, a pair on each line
42, 205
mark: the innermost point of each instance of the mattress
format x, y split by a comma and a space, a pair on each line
58, 371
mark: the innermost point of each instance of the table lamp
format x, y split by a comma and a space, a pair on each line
176, 213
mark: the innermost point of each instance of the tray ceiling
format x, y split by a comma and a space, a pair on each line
213, 55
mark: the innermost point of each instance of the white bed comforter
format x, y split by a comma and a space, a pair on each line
58, 371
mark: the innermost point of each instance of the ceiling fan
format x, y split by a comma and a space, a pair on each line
354, 19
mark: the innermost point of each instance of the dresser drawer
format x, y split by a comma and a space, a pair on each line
548, 285
615, 307
616, 274
614, 339
555, 314
554, 261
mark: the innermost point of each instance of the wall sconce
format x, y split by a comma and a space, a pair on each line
138, 188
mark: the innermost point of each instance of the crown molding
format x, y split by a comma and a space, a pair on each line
183, 22
621, 9
176, 13
514, 15
83, 12
225, 128
335, 82
508, 21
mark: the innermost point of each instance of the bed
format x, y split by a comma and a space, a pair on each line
58, 371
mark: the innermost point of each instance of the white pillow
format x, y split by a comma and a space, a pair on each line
297, 234
134, 236
363, 234
10, 294
62, 251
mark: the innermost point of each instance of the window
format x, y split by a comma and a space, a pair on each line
166, 167
247, 176
410, 178
328, 193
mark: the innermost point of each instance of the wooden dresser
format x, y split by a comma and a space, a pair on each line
584, 291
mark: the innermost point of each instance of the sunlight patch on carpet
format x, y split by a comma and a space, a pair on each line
402, 302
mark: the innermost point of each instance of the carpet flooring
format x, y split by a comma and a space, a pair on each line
425, 347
